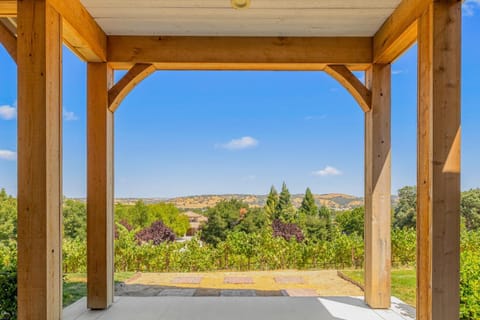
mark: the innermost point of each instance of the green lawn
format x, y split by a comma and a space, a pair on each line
404, 283
75, 285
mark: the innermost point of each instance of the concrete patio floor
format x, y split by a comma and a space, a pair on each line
240, 308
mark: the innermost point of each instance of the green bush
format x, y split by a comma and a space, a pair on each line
470, 276
8, 292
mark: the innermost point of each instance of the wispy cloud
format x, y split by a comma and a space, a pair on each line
250, 177
327, 171
8, 112
318, 117
470, 6
239, 144
69, 115
398, 71
8, 155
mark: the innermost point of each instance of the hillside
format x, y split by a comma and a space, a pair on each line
334, 200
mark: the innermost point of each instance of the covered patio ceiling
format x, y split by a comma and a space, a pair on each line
280, 18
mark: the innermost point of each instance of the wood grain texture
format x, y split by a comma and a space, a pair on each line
81, 32
354, 86
438, 173
378, 188
228, 51
8, 8
100, 193
399, 31
9, 41
129, 81
39, 161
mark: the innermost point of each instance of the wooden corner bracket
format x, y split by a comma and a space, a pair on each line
350, 82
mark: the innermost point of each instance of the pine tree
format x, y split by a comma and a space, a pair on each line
308, 205
285, 210
272, 201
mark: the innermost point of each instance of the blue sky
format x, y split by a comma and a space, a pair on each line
185, 133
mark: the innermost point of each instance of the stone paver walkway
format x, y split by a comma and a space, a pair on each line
261, 284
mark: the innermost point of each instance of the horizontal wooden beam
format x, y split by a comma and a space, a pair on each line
129, 81
8, 8
81, 33
9, 41
239, 53
349, 81
399, 31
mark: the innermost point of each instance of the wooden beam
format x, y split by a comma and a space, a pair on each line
438, 172
9, 41
123, 87
349, 81
399, 31
378, 188
39, 161
99, 187
81, 32
8, 8
265, 53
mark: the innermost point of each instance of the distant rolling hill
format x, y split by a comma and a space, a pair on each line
335, 201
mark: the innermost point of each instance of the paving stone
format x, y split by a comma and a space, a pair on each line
269, 293
300, 292
283, 279
177, 292
238, 280
187, 280
207, 292
237, 293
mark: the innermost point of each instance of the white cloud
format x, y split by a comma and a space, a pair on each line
8, 155
394, 72
469, 7
69, 115
239, 144
8, 112
327, 171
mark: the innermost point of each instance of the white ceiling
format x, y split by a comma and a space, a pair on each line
263, 18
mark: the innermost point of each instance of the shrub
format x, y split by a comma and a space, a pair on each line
287, 230
8, 292
156, 233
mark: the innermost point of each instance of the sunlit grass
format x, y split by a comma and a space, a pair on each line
75, 285
404, 283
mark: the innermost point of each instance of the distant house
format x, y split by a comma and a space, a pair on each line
196, 221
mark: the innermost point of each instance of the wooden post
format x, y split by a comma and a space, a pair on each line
438, 172
39, 161
377, 189
99, 188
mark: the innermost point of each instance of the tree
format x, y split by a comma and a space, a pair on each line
405, 212
75, 219
157, 233
140, 215
308, 205
470, 208
170, 216
8, 216
351, 221
254, 221
287, 230
222, 218
272, 202
284, 210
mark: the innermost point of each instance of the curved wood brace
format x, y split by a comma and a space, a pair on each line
9, 41
353, 85
123, 87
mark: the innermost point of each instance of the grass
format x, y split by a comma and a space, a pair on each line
404, 283
75, 285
